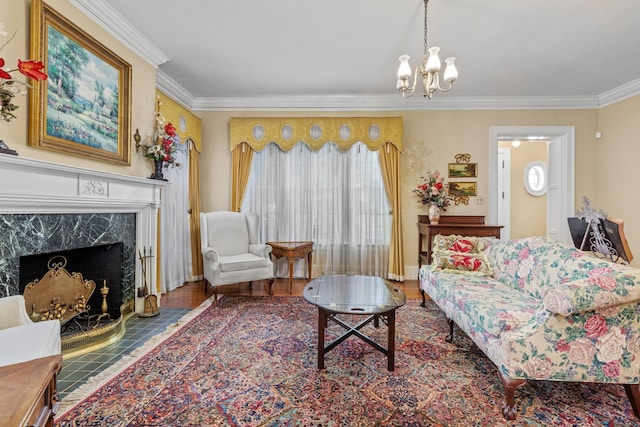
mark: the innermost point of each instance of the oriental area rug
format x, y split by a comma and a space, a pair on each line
251, 361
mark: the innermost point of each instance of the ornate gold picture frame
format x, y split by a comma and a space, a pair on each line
83, 108
463, 170
463, 189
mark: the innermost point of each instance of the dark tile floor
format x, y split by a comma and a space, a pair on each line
77, 370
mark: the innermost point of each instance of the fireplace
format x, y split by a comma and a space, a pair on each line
50, 207
101, 264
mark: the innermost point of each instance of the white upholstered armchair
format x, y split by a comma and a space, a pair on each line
231, 252
21, 339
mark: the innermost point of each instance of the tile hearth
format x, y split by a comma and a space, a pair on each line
77, 370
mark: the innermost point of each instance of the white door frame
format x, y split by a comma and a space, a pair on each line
504, 191
561, 172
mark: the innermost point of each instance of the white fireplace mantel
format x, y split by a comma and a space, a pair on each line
30, 186
34, 186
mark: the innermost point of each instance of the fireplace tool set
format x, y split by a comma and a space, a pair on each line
150, 301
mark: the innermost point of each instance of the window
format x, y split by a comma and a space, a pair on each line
335, 198
535, 178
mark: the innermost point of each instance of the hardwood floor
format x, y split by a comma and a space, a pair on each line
192, 294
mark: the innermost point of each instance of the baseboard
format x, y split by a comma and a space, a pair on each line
411, 272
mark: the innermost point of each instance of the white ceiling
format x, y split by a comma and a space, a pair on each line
344, 53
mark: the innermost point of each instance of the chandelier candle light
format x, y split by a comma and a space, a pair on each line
429, 70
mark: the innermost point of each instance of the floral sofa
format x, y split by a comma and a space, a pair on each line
540, 310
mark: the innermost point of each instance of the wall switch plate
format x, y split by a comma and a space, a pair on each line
479, 200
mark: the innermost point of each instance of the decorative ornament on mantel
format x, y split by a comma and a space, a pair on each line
4, 149
157, 170
10, 87
163, 148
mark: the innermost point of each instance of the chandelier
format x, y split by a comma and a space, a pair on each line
429, 70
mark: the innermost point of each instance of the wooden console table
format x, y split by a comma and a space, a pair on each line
292, 250
464, 225
28, 392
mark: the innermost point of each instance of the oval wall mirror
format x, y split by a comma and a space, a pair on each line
535, 178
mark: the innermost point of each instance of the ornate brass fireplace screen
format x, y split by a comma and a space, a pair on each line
60, 295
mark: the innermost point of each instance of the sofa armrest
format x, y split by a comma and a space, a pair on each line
262, 251
211, 256
13, 312
594, 293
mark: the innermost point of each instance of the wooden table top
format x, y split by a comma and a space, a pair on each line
289, 245
22, 385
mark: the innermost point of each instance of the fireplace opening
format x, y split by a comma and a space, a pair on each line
101, 264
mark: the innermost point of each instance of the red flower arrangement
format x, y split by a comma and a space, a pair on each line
432, 190
9, 87
166, 139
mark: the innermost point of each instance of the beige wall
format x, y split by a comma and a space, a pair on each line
617, 168
16, 14
528, 213
431, 139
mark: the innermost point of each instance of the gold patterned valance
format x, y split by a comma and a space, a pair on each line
286, 132
187, 124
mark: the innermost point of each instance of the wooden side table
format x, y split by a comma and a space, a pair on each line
28, 392
292, 250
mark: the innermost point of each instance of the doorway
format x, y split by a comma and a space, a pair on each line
561, 181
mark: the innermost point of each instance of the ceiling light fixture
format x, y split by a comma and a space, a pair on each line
429, 70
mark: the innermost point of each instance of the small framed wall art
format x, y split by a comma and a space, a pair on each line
463, 170
468, 189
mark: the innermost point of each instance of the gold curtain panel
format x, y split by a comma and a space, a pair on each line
286, 132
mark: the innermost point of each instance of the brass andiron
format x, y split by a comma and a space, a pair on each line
104, 291
150, 301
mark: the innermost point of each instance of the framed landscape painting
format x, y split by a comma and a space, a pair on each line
83, 108
463, 170
463, 189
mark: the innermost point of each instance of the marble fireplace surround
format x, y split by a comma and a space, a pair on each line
39, 192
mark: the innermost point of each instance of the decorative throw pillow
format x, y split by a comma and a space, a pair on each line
456, 243
472, 264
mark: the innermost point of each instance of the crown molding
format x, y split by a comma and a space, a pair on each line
621, 92
391, 103
173, 90
116, 25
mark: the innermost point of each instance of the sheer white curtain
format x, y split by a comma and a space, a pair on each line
174, 224
336, 199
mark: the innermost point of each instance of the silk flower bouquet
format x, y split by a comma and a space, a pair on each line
9, 87
433, 191
165, 138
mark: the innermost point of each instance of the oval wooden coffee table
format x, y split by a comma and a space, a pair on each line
357, 295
